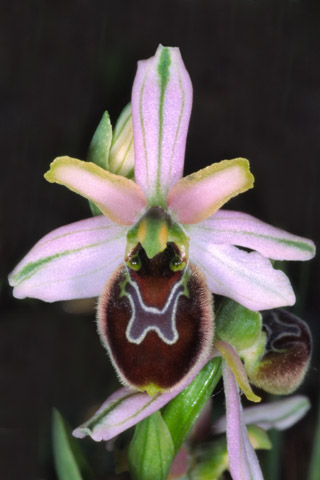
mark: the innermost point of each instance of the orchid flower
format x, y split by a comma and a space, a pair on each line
275, 346
126, 408
162, 244
272, 344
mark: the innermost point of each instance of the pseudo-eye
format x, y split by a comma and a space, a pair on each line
155, 315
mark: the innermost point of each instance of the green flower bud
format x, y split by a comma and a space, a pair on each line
121, 158
113, 151
99, 149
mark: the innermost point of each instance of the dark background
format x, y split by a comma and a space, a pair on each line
256, 75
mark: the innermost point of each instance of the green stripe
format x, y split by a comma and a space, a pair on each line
152, 399
75, 232
122, 128
121, 122
179, 124
164, 75
290, 243
125, 156
33, 267
235, 269
92, 424
143, 129
100, 416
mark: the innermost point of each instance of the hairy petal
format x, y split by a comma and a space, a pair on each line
118, 198
236, 228
125, 408
243, 462
161, 108
279, 415
245, 277
199, 195
74, 261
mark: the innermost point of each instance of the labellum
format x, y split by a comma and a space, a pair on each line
155, 315
287, 354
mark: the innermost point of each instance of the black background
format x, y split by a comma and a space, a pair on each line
256, 76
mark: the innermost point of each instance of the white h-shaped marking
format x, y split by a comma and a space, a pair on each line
154, 312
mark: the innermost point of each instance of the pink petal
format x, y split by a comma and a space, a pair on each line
118, 198
245, 277
243, 462
161, 108
236, 228
125, 408
180, 464
279, 415
199, 195
74, 261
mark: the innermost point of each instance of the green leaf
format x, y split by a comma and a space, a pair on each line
151, 450
181, 413
69, 460
99, 149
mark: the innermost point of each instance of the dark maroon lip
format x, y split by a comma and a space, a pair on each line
156, 323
